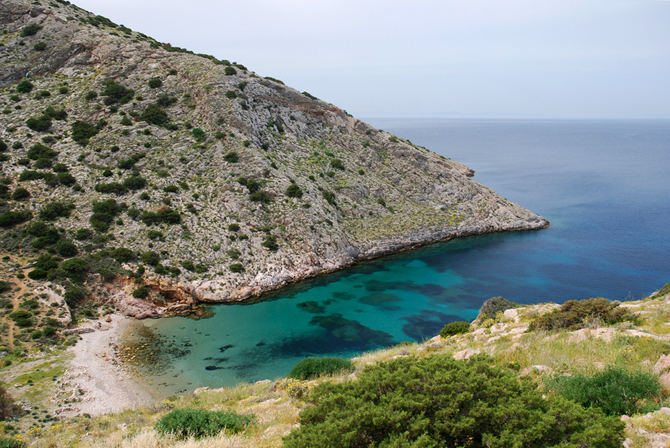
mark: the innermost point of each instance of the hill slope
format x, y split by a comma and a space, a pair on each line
221, 183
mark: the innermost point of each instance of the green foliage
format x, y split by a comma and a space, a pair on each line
171, 189
165, 100
11, 443
614, 390
123, 255
141, 292
30, 30
230, 71
74, 296
438, 401
453, 328
3, 145
82, 132
66, 248
151, 258
311, 368
199, 135
24, 86
261, 196
329, 196
39, 124
91, 95
10, 218
271, 243
66, 179
135, 183
337, 163
381, 202
188, 265
155, 83
164, 215
55, 210
111, 188
153, 114
231, 94
576, 314
5, 286
40, 46
231, 157
197, 423
117, 93
496, 305
104, 214
236, 268
39, 151
294, 191
83, 234
56, 114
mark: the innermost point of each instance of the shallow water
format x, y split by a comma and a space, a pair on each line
602, 184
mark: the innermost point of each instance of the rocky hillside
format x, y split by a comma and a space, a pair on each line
182, 177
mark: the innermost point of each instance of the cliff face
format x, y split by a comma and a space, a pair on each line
268, 185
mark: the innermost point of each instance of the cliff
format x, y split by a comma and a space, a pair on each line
225, 184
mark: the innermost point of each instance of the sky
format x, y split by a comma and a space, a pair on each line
434, 58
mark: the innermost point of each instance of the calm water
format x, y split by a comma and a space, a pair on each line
604, 186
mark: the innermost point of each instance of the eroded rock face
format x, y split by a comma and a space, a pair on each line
363, 193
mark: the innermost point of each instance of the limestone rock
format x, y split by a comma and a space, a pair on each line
466, 354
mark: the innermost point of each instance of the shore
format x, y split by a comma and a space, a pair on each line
96, 372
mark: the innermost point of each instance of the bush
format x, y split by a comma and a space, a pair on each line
233, 227
82, 132
117, 93
153, 114
294, 191
39, 151
453, 328
496, 305
22, 318
66, 248
329, 196
171, 189
614, 390
40, 46
151, 258
576, 314
199, 134
188, 264
55, 210
271, 243
231, 157
111, 188
230, 71
135, 183
141, 293
381, 202
197, 423
337, 163
24, 86
75, 269
39, 124
9, 219
236, 268
311, 368
30, 30
66, 179
83, 234
438, 401
155, 83
74, 296
261, 196
123, 255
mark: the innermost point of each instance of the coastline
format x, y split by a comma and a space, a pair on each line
95, 370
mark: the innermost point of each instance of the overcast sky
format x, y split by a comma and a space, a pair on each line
567, 58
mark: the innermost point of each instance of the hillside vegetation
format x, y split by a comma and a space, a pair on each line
605, 383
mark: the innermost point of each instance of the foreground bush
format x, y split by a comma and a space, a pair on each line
199, 423
576, 314
8, 408
496, 305
310, 368
438, 401
614, 390
453, 328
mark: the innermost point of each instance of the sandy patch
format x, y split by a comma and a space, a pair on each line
98, 377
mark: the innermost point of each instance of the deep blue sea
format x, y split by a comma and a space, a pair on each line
603, 185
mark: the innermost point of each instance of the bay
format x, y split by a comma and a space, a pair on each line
603, 185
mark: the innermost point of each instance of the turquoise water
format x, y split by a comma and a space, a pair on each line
602, 184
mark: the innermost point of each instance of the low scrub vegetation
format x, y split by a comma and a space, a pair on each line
576, 314
453, 328
197, 423
310, 368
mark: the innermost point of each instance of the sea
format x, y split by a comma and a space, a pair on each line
603, 185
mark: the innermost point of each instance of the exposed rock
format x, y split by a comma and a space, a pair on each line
662, 365
466, 354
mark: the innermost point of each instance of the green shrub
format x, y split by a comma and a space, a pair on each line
75, 269
30, 30
329, 196
20, 194
171, 189
91, 95
66, 179
199, 135
74, 296
197, 423
66, 248
111, 188
616, 391
117, 93
40, 46
153, 114
271, 243
576, 314
22, 318
83, 234
151, 258
11, 443
155, 83
82, 132
337, 163
135, 183
39, 124
9, 219
54, 210
261, 196
5, 286
311, 368
236, 268
294, 191
123, 255
39, 151
496, 305
24, 86
438, 401
231, 157
41, 164
141, 292
230, 71
453, 328
381, 202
